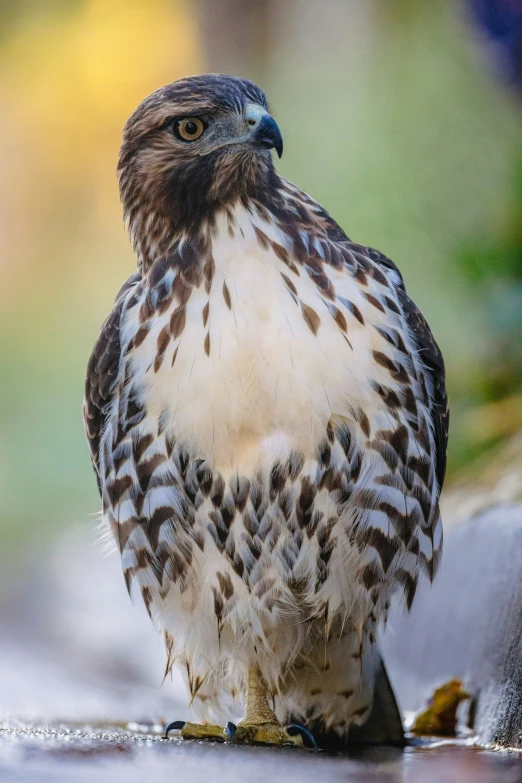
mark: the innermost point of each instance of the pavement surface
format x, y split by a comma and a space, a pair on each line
106, 755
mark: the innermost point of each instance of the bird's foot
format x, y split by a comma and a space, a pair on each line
245, 733
198, 731
271, 733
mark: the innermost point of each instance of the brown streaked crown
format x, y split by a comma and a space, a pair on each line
170, 186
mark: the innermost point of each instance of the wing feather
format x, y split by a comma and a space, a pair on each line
102, 372
431, 358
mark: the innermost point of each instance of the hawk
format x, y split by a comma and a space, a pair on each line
267, 419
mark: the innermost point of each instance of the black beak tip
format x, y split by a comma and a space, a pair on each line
268, 136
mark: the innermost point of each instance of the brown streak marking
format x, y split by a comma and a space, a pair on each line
391, 305
311, 318
117, 489
379, 276
163, 304
361, 275
364, 423
161, 347
141, 446
177, 321
356, 312
209, 272
180, 290
347, 340
128, 573
384, 361
325, 286
370, 576
123, 531
169, 648
262, 238
146, 469
225, 585
289, 284
206, 344
339, 319
140, 336
147, 598
146, 310
385, 547
375, 302
397, 371
409, 585
280, 252
226, 296
218, 605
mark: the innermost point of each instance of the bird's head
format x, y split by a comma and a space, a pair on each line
190, 149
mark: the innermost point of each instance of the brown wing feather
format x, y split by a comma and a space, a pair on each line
431, 357
432, 360
102, 371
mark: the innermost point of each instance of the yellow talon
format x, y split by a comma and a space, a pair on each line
260, 725
198, 731
248, 733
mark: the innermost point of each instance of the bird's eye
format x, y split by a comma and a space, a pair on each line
189, 128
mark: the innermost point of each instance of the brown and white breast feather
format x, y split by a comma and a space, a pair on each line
272, 445
255, 366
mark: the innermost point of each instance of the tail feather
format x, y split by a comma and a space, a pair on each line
383, 726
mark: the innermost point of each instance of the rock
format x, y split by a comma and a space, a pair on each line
468, 626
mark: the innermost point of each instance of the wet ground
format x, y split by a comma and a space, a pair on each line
114, 755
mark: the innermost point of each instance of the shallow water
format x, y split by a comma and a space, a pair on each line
60, 753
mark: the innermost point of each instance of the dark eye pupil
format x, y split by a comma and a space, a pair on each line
191, 128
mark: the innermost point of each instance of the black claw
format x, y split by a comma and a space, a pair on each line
308, 738
176, 724
230, 729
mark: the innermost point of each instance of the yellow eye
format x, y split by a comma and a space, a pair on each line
189, 128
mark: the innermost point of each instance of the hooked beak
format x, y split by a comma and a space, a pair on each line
267, 135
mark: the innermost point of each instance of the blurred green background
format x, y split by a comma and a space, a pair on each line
398, 115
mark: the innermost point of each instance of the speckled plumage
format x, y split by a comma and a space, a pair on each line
267, 420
